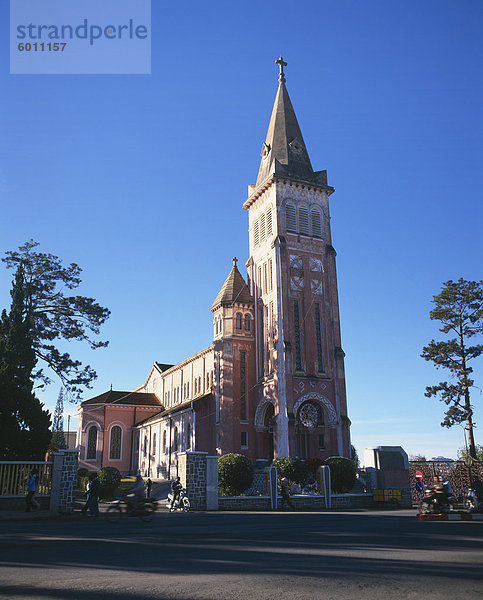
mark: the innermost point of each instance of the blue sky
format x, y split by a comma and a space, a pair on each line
140, 179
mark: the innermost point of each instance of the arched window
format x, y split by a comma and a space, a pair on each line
188, 436
115, 443
238, 320
164, 441
199, 384
269, 222
196, 386
175, 440
316, 224
91, 443
303, 220
207, 381
145, 449
290, 218
320, 415
154, 444
188, 389
248, 322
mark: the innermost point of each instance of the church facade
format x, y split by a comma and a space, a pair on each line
272, 381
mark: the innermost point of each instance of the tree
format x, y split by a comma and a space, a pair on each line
58, 438
54, 316
459, 308
24, 424
463, 453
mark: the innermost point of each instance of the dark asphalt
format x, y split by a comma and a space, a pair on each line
334, 556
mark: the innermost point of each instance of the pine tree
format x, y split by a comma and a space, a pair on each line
58, 438
54, 315
459, 308
24, 424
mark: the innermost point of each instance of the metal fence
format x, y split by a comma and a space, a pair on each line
14, 474
460, 474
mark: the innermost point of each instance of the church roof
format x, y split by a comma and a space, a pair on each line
284, 152
118, 397
234, 290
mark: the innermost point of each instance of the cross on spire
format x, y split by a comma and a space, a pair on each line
280, 62
235, 260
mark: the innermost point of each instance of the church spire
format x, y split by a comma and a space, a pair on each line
284, 152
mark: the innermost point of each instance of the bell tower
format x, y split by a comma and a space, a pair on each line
299, 395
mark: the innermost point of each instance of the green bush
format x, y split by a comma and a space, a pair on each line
312, 465
82, 479
294, 469
109, 479
235, 474
343, 474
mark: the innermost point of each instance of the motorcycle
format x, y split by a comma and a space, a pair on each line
436, 503
144, 510
471, 501
181, 503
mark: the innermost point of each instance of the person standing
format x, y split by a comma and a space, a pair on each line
285, 493
32, 484
149, 485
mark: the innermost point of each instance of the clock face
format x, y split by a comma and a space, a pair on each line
296, 146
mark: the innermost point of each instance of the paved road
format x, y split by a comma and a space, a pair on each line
268, 556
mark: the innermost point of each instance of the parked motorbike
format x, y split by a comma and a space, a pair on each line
181, 503
143, 509
471, 502
436, 503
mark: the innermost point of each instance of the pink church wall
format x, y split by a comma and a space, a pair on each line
104, 418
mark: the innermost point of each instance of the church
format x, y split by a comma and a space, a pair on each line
272, 382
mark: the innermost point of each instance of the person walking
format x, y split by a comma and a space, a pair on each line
32, 484
285, 493
94, 491
149, 485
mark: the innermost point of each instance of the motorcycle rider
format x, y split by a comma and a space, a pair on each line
135, 494
440, 491
176, 488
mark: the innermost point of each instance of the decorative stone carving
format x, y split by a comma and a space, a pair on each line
296, 283
332, 419
315, 265
296, 262
316, 286
261, 411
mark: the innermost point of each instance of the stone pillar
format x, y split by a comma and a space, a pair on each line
272, 486
64, 473
212, 483
324, 484
192, 471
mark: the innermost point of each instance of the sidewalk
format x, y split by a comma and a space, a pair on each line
159, 492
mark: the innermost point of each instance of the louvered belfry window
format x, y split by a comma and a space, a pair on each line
291, 218
262, 227
303, 220
115, 445
269, 222
316, 224
256, 233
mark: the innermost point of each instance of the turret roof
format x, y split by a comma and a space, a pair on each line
234, 290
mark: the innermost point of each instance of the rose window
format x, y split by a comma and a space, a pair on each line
308, 415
